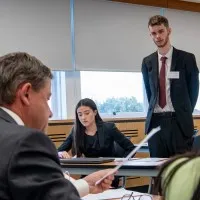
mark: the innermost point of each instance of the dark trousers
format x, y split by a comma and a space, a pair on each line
170, 140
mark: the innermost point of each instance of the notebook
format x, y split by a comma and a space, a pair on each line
86, 160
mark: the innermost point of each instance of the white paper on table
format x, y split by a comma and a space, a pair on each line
111, 194
150, 159
122, 159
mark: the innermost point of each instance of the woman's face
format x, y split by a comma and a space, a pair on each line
86, 115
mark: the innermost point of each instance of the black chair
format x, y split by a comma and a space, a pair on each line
196, 143
196, 131
119, 151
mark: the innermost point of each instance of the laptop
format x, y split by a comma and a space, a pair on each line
86, 160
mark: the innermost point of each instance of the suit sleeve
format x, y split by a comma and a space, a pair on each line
146, 80
34, 171
122, 140
67, 144
192, 79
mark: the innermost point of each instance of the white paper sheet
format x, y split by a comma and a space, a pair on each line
149, 159
111, 194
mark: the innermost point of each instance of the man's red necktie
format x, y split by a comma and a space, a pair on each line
162, 84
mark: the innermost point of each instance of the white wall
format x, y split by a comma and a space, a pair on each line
114, 36
185, 31
108, 35
39, 27
111, 36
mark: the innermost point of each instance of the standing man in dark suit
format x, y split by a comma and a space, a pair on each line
171, 79
29, 165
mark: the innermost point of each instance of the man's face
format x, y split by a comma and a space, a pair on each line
38, 111
160, 35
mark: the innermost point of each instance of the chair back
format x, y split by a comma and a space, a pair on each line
119, 151
195, 131
196, 143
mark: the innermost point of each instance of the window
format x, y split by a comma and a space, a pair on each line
57, 102
115, 93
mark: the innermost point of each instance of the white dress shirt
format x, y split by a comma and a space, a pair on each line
81, 185
169, 107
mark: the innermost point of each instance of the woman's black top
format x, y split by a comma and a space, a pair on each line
103, 143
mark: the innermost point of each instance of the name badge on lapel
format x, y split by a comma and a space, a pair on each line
173, 75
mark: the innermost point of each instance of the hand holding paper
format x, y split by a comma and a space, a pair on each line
152, 132
104, 185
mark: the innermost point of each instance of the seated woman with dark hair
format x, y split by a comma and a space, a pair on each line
179, 178
91, 136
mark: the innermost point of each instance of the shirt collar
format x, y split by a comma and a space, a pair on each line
13, 115
168, 54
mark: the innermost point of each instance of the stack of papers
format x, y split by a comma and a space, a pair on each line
150, 159
142, 159
112, 194
122, 159
144, 145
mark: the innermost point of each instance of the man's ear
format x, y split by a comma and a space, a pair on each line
169, 31
24, 93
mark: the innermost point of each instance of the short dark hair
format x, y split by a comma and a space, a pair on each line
158, 20
19, 68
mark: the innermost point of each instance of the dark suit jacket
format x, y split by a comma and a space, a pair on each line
184, 91
107, 134
29, 166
